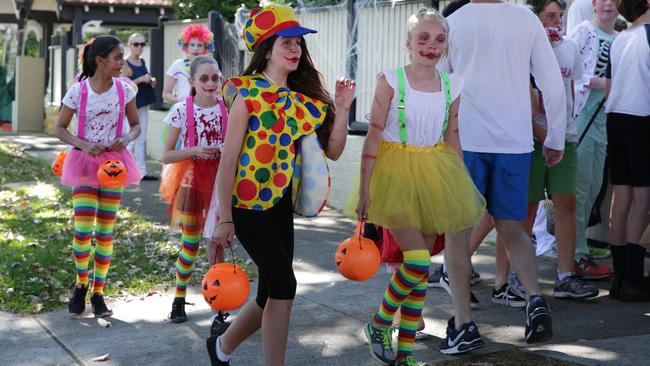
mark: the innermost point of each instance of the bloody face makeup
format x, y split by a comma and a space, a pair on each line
427, 41
206, 80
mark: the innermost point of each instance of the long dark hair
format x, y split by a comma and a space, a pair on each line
305, 80
102, 46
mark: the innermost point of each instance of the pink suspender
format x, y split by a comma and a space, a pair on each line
224, 116
84, 102
189, 122
189, 119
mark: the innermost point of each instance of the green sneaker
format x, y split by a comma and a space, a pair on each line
380, 340
599, 253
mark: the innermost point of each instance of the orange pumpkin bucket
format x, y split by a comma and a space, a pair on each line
358, 258
112, 174
225, 286
57, 164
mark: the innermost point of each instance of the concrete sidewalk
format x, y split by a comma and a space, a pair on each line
327, 318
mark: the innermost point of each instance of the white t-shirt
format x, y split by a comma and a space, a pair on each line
630, 62
425, 112
495, 48
579, 11
568, 58
177, 71
208, 122
102, 111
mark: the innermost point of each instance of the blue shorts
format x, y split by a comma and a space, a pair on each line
503, 181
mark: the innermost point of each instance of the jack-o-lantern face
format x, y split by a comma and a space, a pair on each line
357, 258
111, 174
57, 164
225, 287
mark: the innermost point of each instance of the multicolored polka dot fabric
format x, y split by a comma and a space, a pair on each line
265, 22
277, 117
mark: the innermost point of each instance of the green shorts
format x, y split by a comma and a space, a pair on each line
560, 179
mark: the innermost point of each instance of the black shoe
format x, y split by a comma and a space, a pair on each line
476, 278
219, 324
539, 325
150, 178
461, 341
507, 296
77, 303
211, 344
178, 310
444, 283
99, 306
434, 278
615, 289
633, 293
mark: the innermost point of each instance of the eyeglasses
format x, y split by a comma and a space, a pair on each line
138, 44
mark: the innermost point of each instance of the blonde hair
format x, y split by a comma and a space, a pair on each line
135, 35
425, 14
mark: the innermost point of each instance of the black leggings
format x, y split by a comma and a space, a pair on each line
267, 237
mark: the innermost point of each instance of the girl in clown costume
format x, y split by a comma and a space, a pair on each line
195, 40
279, 99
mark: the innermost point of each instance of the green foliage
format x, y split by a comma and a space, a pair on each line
194, 9
16, 166
32, 46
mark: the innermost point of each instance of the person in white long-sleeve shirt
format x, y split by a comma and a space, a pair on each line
579, 11
495, 47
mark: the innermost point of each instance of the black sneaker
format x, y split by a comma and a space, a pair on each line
211, 344
539, 325
219, 324
178, 310
77, 303
444, 283
381, 343
461, 341
615, 289
573, 287
507, 296
633, 293
434, 278
99, 306
476, 277
150, 178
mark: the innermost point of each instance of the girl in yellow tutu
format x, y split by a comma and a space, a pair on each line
414, 182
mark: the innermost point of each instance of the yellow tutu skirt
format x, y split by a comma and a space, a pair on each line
422, 188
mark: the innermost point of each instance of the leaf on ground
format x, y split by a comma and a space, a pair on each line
101, 358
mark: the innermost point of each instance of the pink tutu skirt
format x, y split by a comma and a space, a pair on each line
80, 169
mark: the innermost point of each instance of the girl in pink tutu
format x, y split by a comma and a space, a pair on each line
101, 102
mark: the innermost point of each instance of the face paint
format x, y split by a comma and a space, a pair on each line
554, 33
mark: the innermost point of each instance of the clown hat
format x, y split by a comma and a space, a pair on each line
272, 20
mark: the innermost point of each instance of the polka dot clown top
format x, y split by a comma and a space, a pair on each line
276, 118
